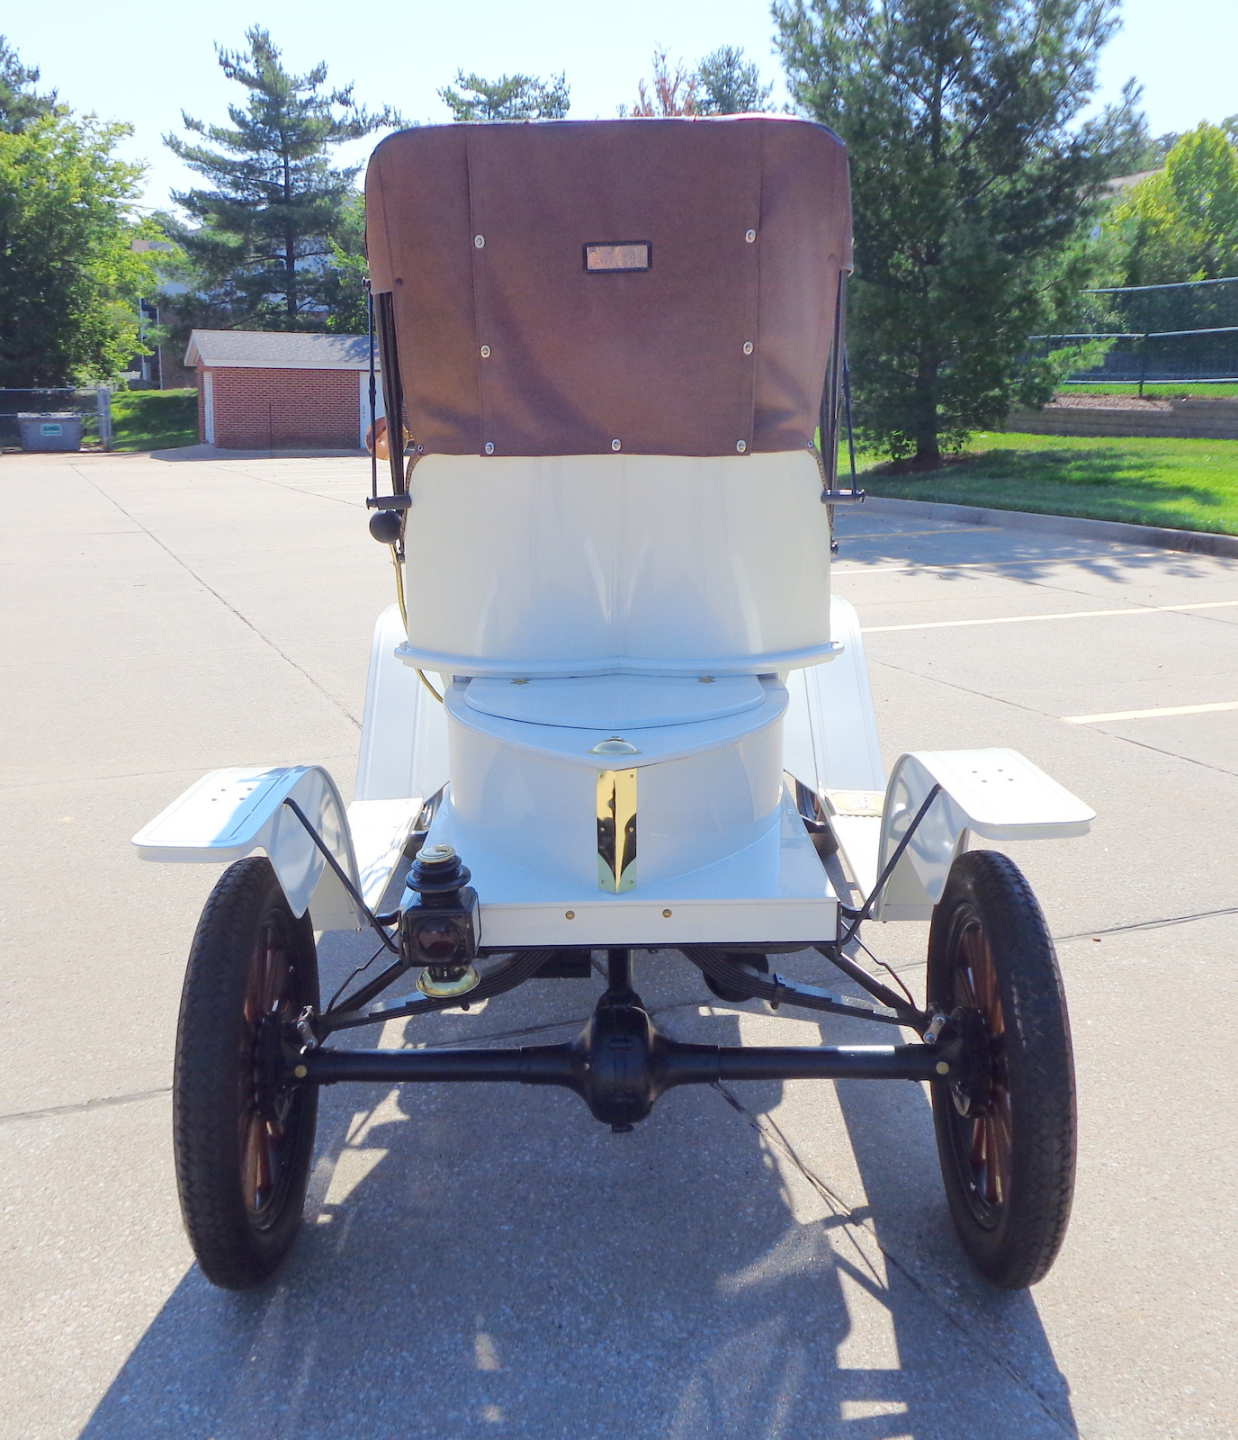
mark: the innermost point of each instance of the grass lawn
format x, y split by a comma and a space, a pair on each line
1186, 484
1157, 389
154, 419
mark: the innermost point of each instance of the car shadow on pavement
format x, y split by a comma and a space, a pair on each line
489, 1261
958, 553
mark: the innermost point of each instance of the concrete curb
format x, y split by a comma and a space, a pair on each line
1195, 542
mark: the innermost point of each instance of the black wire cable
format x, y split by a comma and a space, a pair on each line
891, 971
360, 970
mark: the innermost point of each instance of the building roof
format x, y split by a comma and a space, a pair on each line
1121, 183
277, 350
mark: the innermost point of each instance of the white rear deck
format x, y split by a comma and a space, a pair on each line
774, 891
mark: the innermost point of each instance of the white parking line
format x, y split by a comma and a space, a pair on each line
1054, 615
1164, 710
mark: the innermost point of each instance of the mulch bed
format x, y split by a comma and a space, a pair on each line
1108, 402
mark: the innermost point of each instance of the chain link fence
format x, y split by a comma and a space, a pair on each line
1155, 333
92, 406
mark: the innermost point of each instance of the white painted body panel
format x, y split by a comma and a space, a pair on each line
707, 788
614, 703
680, 605
590, 564
774, 890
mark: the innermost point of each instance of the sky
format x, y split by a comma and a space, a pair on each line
143, 64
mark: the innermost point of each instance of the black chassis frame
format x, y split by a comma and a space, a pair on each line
620, 1063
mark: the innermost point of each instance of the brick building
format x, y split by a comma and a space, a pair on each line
267, 389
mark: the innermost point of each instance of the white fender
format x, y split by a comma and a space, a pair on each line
997, 794
831, 731
404, 731
229, 814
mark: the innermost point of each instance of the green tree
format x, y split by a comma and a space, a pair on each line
510, 97
728, 84
348, 270
972, 184
70, 280
1158, 149
1182, 222
261, 244
20, 103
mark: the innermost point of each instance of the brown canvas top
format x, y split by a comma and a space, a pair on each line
559, 286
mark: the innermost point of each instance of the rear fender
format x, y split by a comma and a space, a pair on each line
996, 794
229, 814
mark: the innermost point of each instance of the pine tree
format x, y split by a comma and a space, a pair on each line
262, 243
510, 97
727, 84
20, 103
972, 183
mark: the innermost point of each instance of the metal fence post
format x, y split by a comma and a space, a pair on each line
103, 400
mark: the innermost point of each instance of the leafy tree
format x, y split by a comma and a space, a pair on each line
1158, 149
261, 245
972, 183
70, 279
20, 104
671, 92
510, 97
1182, 222
348, 270
727, 84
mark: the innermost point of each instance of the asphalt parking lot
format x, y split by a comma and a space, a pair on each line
755, 1261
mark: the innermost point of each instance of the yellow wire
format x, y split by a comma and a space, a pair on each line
399, 595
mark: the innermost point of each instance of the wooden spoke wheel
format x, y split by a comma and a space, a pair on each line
1006, 1126
243, 1142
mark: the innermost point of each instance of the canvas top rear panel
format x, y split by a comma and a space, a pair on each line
557, 287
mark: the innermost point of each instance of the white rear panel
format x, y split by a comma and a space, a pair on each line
603, 562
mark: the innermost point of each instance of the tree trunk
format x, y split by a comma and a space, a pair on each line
290, 246
290, 268
928, 451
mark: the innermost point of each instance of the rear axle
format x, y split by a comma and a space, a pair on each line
621, 1063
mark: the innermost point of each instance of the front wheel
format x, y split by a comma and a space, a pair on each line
243, 1142
1006, 1127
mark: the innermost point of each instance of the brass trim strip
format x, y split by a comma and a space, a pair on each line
616, 822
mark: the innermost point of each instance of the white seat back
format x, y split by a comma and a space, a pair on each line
582, 564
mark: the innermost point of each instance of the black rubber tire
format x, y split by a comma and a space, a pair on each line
218, 1132
733, 995
1009, 1166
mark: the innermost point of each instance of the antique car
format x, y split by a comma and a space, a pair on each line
616, 709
